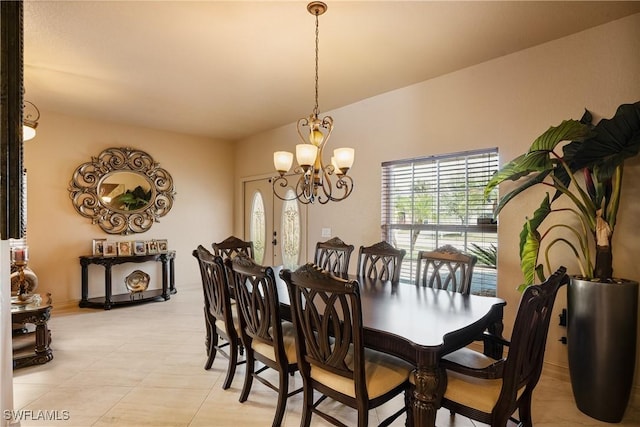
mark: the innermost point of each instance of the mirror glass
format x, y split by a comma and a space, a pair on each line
122, 190
125, 191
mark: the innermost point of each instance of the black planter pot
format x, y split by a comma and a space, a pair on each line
602, 333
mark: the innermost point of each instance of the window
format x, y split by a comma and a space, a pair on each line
290, 230
433, 201
258, 227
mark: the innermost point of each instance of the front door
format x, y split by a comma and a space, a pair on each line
277, 228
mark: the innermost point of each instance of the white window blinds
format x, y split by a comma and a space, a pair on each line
432, 201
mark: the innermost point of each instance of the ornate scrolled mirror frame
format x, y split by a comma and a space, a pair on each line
122, 190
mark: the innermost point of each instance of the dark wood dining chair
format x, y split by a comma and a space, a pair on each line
445, 268
266, 337
492, 394
327, 315
232, 246
220, 319
333, 255
380, 261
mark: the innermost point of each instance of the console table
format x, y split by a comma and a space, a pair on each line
109, 300
26, 354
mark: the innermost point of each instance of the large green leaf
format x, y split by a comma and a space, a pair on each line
568, 130
539, 157
614, 141
518, 168
534, 180
530, 241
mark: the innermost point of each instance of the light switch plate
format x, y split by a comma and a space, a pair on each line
326, 232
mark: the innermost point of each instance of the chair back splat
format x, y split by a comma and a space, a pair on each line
266, 337
446, 268
232, 246
494, 401
333, 255
327, 315
380, 261
219, 317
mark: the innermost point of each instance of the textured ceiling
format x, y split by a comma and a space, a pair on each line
232, 69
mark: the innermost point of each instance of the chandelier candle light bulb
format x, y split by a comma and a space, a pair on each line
306, 154
344, 158
282, 160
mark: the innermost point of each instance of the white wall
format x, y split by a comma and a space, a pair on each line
202, 171
503, 103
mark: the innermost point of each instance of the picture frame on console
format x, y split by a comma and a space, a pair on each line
124, 248
109, 249
98, 247
139, 247
163, 246
152, 247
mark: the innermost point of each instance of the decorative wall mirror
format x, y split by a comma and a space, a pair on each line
122, 190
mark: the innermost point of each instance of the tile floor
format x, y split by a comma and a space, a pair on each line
143, 366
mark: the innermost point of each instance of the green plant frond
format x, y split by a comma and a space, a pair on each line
568, 130
583, 258
573, 248
486, 256
529, 254
521, 166
614, 140
611, 210
534, 180
531, 225
585, 206
540, 273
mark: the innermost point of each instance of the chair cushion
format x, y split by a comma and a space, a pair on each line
236, 322
288, 338
383, 372
470, 358
473, 392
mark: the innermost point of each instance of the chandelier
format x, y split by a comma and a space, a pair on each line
30, 117
314, 181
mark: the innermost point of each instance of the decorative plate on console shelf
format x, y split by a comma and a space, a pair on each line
138, 281
30, 280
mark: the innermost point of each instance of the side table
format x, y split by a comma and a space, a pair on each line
25, 353
109, 300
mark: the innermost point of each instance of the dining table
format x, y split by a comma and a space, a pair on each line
420, 325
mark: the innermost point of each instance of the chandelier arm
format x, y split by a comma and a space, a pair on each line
345, 182
343, 186
302, 123
327, 123
304, 192
325, 183
280, 182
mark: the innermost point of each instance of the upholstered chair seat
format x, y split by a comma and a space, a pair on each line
383, 372
288, 339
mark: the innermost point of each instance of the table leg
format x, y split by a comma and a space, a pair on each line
43, 339
165, 292
107, 287
85, 284
493, 348
172, 276
426, 394
42, 352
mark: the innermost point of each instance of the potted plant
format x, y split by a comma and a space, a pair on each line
582, 164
